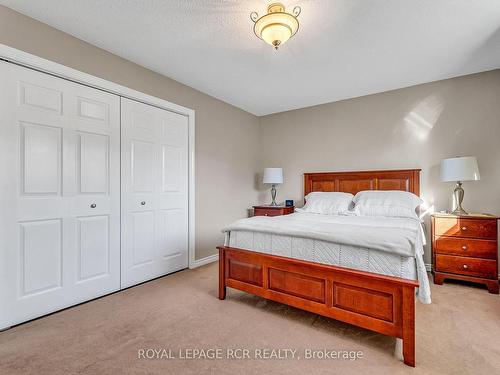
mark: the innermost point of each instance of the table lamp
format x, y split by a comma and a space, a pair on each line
459, 169
273, 176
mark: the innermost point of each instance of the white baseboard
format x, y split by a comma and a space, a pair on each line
201, 262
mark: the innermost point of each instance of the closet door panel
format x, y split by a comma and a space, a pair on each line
41, 96
60, 222
142, 160
40, 257
143, 232
41, 159
93, 163
92, 110
39, 171
139, 174
95, 144
33, 245
93, 247
173, 192
173, 241
154, 192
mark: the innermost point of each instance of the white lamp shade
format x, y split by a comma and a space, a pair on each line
273, 176
460, 169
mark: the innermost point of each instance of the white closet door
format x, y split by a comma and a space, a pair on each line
154, 192
59, 181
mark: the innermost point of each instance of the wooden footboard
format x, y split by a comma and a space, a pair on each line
379, 303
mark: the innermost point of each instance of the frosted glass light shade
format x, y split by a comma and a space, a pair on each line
277, 26
463, 168
273, 176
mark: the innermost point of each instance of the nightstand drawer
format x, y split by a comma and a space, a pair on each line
267, 212
273, 210
465, 247
466, 228
466, 266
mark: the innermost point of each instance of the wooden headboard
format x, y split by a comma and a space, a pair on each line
353, 182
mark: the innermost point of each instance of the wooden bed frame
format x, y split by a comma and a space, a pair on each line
380, 303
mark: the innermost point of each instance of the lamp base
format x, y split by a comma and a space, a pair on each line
273, 195
459, 211
458, 193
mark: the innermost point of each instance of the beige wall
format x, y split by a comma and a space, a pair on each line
414, 127
224, 170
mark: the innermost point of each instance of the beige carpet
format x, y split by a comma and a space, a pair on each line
458, 334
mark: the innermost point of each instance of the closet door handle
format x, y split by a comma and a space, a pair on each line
143, 203
93, 205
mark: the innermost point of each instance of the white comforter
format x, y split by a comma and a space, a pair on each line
402, 236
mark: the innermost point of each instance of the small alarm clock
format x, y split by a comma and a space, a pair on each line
289, 203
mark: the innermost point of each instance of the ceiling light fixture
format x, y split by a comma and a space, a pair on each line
277, 26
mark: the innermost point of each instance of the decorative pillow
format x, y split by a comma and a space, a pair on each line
327, 203
389, 203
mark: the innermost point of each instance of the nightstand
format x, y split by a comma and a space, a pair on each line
272, 210
465, 248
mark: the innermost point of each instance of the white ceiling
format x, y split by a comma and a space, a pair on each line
344, 48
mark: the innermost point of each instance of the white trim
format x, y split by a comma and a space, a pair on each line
201, 262
191, 199
34, 62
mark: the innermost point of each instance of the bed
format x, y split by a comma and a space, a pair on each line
348, 277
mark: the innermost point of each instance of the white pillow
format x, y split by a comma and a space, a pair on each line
390, 203
327, 203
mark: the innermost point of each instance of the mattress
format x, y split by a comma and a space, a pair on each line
319, 251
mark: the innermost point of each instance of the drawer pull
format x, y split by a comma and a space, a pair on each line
464, 247
464, 228
93, 205
143, 203
266, 214
465, 266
